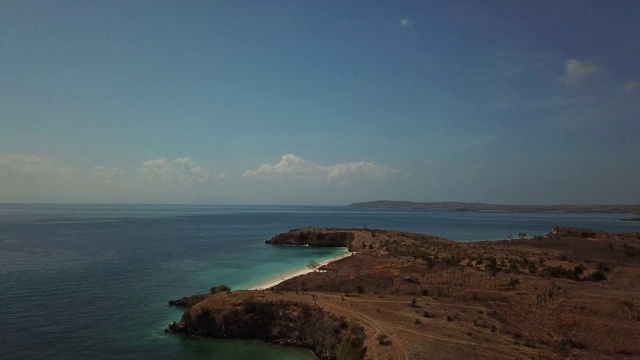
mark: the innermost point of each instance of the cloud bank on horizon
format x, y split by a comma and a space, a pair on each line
301, 104
178, 177
293, 167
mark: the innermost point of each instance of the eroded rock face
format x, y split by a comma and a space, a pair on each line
313, 237
284, 323
179, 302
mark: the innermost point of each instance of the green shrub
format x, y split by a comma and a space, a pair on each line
351, 348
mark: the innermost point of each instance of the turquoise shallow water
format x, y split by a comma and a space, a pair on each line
93, 281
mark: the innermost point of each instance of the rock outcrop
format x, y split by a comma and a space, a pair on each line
179, 302
313, 237
286, 323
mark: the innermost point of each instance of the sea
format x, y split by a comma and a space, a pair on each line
93, 281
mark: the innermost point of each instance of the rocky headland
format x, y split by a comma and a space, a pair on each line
573, 293
245, 315
314, 237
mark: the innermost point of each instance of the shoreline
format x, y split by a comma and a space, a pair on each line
275, 281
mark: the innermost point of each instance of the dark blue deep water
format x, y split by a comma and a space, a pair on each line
93, 281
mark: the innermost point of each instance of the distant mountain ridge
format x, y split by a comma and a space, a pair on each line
464, 206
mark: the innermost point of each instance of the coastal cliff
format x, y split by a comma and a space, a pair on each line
314, 237
288, 323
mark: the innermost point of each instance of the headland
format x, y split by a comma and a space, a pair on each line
572, 293
465, 206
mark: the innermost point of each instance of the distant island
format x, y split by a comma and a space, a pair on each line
464, 206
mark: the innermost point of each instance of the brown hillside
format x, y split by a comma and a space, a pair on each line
573, 293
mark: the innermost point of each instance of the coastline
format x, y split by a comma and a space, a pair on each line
275, 281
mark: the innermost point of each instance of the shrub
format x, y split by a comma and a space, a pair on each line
351, 349
561, 272
219, 289
597, 276
383, 339
429, 315
513, 283
204, 317
630, 251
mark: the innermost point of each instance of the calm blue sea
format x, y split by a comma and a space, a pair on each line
93, 281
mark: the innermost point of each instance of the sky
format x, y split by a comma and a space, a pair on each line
320, 102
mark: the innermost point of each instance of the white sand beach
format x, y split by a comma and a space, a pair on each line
273, 282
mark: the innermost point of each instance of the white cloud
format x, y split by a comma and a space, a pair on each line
406, 23
184, 170
633, 87
291, 166
223, 179
576, 71
106, 175
31, 165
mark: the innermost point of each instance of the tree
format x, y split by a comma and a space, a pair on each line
493, 269
553, 291
351, 349
513, 283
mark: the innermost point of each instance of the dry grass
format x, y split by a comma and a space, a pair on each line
461, 311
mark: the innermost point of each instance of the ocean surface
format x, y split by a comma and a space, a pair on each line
93, 281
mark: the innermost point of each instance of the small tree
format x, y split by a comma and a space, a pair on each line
493, 269
513, 283
351, 348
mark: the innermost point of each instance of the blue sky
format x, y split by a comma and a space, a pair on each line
326, 102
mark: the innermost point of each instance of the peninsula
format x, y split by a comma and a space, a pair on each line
464, 206
573, 293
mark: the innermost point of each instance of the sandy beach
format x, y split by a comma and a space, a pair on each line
273, 282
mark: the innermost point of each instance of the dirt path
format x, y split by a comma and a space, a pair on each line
377, 325
394, 331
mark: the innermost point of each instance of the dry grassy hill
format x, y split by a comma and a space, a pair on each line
574, 293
